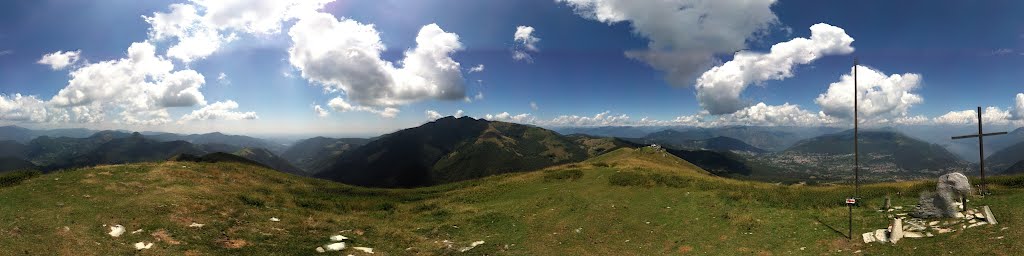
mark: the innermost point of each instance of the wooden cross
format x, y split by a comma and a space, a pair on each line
981, 148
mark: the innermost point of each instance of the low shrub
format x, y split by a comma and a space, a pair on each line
630, 179
16, 177
570, 174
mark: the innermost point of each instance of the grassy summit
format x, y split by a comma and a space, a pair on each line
626, 202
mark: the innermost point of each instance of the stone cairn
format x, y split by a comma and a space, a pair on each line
937, 212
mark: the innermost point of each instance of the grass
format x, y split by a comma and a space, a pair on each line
636, 202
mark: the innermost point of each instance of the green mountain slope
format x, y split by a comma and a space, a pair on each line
132, 149
8, 164
268, 158
452, 149
683, 140
1017, 168
880, 147
1003, 159
629, 201
315, 154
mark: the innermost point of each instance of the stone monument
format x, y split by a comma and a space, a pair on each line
951, 191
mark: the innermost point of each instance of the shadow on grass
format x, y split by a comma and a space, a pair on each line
838, 232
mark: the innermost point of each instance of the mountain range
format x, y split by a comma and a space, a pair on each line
454, 149
682, 140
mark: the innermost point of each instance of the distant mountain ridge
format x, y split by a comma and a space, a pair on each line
682, 140
907, 152
1003, 159
453, 149
315, 154
117, 147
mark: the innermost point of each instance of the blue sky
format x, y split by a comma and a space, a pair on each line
965, 55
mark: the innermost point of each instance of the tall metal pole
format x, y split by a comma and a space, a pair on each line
981, 152
856, 152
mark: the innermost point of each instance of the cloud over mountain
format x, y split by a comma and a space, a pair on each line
719, 89
879, 95
684, 34
345, 55
524, 43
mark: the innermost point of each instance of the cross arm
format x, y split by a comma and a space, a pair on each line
975, 135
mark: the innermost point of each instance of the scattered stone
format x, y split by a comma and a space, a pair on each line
137, 231
338, 238
335, 246
869, 237
881, 236
274, 219
977, 224
896, 231
364, 249
196, 225
913, 235
478, 243
143, 246
979, 216
116, 230
991, 218
933, 223
320, 249
898, 207
972, 221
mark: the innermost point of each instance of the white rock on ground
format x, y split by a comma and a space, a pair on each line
989, 217
881, 236
869, 237
364, 249
338, 238
274, 219
137, 231
320, 249
335, 247
142, 246
196, 225
116, 230
471, 246
913, 235
897, 230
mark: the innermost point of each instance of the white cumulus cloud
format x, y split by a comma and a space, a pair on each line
477, 68
879, 95
25, 109
142, 85
762, 114
524, 43
990, 115
345, 55
684, 34
340, 105
506, 117
202, 27
432, 115
320, 111
1018, 107
221, 110
718, 89
60, 59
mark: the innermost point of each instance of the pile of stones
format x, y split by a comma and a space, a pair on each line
937, 212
